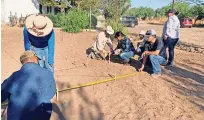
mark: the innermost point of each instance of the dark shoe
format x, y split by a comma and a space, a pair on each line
170, 64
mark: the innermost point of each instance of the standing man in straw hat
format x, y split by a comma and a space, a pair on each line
29, 90
39, 36
103, 38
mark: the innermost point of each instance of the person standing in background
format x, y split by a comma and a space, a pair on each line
171, 34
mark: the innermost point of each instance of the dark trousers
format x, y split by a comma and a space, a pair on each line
170, 44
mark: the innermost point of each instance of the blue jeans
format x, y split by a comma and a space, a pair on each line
126, 56
170, 43
42, 53
156, 62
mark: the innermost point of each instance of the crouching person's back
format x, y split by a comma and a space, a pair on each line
29, 90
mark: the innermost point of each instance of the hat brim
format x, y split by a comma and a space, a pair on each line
110, 32
29, 24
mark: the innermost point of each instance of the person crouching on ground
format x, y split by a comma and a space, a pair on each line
154, 52
140, 44
97, 51
126, 47
39, 37
29, 90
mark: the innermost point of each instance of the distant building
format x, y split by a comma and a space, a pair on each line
22, 7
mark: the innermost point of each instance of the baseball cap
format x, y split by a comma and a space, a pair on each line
28, 54
150, 32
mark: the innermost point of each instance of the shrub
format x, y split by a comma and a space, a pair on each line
117, 27
75, 20
56, 19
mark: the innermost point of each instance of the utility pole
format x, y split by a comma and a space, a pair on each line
173, 4
116, 10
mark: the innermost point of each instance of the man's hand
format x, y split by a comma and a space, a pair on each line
145, 53
141, 68
102, 54
165, 37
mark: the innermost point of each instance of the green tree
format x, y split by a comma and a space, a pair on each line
109, 7
62, 4
141, 12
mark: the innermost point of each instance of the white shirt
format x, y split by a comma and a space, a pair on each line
101, 41
171, 27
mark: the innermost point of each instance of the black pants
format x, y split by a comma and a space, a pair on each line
170, 44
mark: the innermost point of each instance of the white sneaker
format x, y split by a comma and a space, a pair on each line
155, 75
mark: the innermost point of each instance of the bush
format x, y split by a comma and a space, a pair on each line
75, 20
56, 19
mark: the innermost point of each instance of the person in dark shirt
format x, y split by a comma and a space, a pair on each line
155, 52
39, 37
126, 47
29, 90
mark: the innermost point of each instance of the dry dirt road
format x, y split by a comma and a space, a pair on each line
190, 35
177, 95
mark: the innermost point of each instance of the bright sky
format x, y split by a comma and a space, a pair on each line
150, 3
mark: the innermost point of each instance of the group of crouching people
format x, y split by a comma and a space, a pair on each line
151, 49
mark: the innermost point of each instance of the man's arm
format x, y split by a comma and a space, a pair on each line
156, 52
5, 86
26, 39
143, 63
169, 27
110, 44
51, 48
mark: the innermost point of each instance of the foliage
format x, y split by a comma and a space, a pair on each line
56, 19
197, 10
58, 3
141, 12
109, 7
75, 20
116, 27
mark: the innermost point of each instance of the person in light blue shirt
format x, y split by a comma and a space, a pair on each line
29, 90
171, 34
39, 36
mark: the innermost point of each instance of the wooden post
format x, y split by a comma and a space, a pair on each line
116, 11
173, 4
90, 18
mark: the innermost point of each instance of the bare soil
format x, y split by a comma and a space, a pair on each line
177, 95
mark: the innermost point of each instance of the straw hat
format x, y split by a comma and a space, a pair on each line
36, 23
28, 54
109, 30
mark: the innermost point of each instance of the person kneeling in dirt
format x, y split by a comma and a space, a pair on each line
140, 44
97, 50
125, 46
154, 53
29, 90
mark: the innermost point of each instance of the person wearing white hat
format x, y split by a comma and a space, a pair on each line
140, 44
39, 36
97, 50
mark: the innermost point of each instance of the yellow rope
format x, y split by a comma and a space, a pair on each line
89, 84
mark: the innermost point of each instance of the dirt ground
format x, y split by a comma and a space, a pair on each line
190, 35
177, 95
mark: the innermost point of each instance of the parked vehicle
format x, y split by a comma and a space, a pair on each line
129, 21
186, 22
